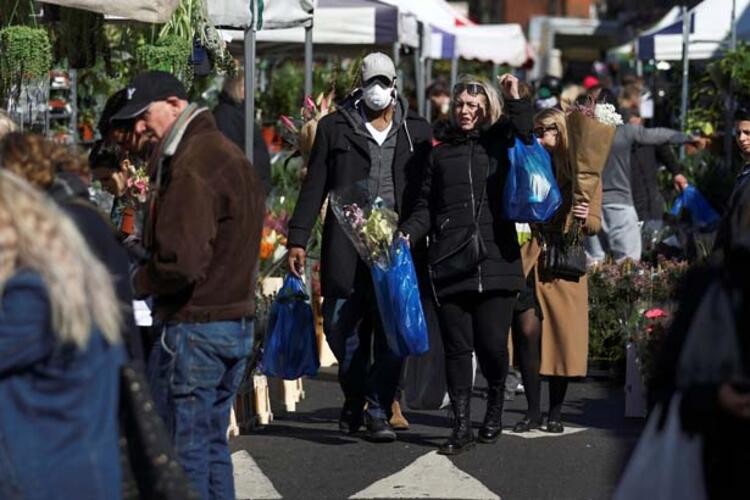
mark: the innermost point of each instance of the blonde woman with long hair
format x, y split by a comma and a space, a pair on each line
475, 264
60, 355
563, 304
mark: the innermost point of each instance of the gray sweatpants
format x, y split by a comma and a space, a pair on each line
620, 235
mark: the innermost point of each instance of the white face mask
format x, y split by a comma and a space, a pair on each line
378, 98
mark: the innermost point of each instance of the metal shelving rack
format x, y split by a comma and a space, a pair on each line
68, 92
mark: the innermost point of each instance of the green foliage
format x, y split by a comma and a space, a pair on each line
734, 67
283, 94
171, 54
26, 55
190, 23
79, 36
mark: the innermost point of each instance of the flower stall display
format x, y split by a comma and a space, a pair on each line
371, 227
619, 295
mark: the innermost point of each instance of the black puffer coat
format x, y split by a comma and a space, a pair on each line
461, 167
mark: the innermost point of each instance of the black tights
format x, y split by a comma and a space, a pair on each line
557, 388
527, 333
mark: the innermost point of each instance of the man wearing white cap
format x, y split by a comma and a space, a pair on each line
375, 141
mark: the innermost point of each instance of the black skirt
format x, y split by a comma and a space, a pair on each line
527, 297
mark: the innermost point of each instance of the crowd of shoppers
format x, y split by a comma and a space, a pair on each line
68, 277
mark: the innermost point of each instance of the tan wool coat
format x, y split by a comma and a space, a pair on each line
564, 304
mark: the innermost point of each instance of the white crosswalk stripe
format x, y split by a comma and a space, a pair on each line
249, 480
536, 433
430, 476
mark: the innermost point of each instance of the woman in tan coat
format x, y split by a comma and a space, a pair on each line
563, 304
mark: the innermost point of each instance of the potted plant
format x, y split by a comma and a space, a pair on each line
26, 56
169, 53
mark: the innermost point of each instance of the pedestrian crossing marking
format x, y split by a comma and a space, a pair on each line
429, 476
249, 480
538, 433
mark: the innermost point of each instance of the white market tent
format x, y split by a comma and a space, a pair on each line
147, 11
710, 27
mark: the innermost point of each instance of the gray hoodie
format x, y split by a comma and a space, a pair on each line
616, 176
380, 182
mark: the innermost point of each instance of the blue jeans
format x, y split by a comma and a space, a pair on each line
195, 370
368, 369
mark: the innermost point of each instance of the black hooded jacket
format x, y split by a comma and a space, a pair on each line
464, 169
340, 158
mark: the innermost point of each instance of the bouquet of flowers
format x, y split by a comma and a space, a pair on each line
591, 130
300, 132
370, 227
137, 185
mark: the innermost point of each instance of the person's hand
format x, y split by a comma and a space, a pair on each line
296, 261
734, 402
680, 182
509, 86
405, 237
581, 211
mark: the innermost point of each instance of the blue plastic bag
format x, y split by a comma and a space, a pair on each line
397, 295
291, 349
531, 193
701, 212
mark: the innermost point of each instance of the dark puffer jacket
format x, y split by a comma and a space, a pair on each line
460, 168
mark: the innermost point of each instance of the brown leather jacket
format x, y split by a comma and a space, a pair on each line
204, 230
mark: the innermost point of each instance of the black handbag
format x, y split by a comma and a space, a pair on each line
150, 469
562, 260
462, 258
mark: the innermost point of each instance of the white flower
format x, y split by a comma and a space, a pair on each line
607, 114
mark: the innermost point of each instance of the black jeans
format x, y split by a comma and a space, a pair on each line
478, 322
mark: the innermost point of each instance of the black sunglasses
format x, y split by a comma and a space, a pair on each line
539, 131
470, 88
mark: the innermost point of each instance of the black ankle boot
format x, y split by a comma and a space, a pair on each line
462, 437
493, 419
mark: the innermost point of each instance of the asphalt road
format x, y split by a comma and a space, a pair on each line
302, 455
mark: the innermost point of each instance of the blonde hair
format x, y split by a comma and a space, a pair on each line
7, 125
554, 117
36, 235
493, 102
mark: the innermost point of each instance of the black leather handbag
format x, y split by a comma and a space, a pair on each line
463, 257
562, 260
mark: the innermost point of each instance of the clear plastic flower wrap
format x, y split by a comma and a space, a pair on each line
369, 224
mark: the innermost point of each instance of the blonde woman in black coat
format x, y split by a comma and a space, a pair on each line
474, 256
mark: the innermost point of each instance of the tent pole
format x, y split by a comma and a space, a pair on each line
397, 64
729, 98
419, 79
495, 71
250, 87
454, 70
685, 72
427, 81
308, 60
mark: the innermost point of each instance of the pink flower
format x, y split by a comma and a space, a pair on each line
655, 313
309, 104
288, 123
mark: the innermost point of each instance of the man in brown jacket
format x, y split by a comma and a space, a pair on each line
203, 233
